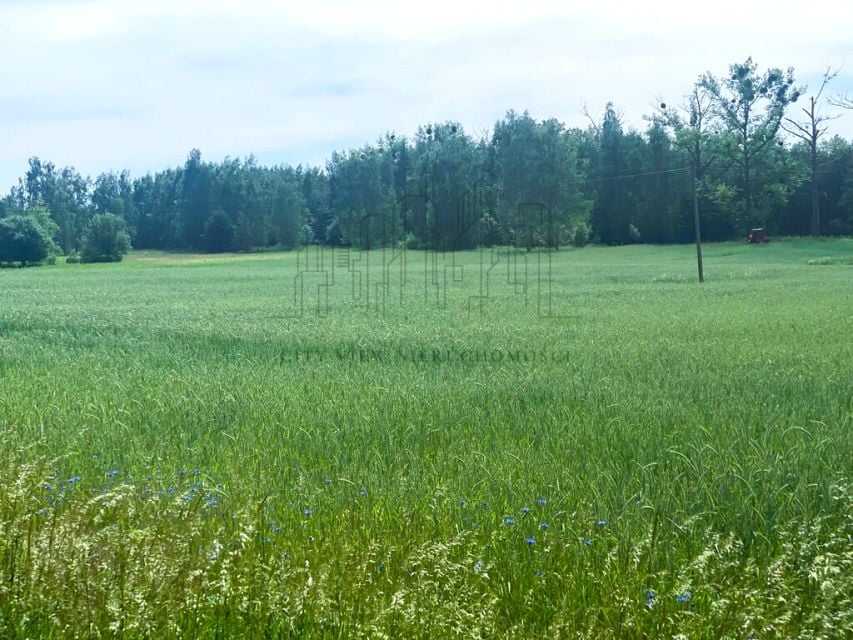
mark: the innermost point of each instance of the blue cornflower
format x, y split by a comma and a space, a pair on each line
525, 510
73, 479
181, 473
196, 472
530, 540
308, 512
485, 505
509, 520
363, 493
601, 522
327, 480
381, 567
41, 511
650, 594
684, 596
463, 502
587, 542
47, 486
541, 502
479, 566
112, 474
543, 525
538, 573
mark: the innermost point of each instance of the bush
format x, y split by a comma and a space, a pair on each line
580, 234
106, 239
23, 240
73, 258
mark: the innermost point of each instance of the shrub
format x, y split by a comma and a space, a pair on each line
580, 234
106, 239
23, 240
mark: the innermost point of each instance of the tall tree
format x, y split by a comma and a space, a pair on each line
810, 131
610, 215
751, 106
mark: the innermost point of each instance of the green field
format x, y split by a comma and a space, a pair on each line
185, 455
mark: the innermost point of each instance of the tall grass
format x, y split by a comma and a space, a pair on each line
185, 457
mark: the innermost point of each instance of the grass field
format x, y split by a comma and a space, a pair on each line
595, 446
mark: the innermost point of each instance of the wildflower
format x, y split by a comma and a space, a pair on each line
363, 493
601, 522
485, 505
47, 486
41, 511
509, 520
525, 510
463, 502
530, 540
214, 552
684, 596
196, 472
650, 594
587, 542
308, 512
538, 573
381, 567
327, 480
73, 480
474, 525
541, 502
479, 566
112, 474
543, 525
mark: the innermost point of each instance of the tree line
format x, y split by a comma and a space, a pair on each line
750, 148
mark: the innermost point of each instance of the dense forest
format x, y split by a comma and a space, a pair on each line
752, 146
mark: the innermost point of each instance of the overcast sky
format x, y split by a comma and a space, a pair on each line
106, 85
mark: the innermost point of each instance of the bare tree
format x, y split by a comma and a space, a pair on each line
810, 132
844, 101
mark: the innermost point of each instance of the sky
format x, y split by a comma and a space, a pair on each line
106, 85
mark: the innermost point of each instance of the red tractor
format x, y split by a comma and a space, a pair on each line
757, 236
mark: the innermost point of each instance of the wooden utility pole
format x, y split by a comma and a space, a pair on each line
696, 228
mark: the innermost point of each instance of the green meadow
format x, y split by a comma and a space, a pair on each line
579, 444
